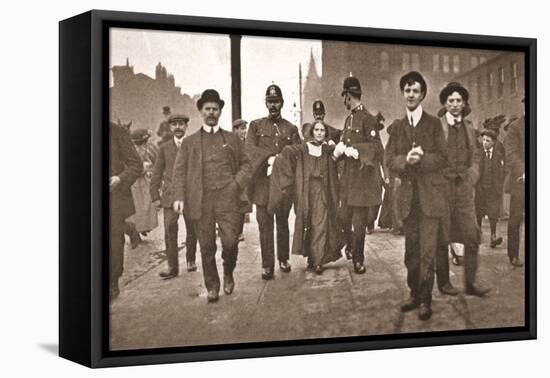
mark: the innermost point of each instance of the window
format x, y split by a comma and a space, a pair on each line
490, 82
456, 64
385, 87
406, 65
384, 61
474, 61
500, 87
446, 62
436, 62
416, 62
514, 79
478, 86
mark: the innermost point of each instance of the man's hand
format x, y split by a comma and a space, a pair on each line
418, 150
331, 143
157, 205
413, 157
178, 207
351, 152
339, 150
114, 181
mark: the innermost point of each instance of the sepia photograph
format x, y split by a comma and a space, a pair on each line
278, 189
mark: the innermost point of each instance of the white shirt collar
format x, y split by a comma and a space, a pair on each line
178, 140
208, 128
451, 119
416, 114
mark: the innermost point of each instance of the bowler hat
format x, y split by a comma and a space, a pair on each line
318, 107
450, 89
176, 117
351, 85
412, 77
273, 92
210, 95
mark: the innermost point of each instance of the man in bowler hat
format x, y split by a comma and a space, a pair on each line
210, 171
416, 154
461, 174
271, 134
362, 152
162, 196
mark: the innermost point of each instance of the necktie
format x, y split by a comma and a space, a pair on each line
411, 121
488, 153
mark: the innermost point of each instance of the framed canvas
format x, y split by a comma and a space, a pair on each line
235, 188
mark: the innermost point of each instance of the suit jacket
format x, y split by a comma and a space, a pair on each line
161, 180
497, 171
431, 184
264, 135
126, 164
187, 180
514, 145
361, 179
474, 155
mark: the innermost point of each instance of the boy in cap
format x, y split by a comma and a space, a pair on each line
271, 134
489, 187
461, 174
362, 153
416, 155
162, 196
210, 171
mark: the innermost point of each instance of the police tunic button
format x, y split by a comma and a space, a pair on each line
276, 134
349, 140
373, 133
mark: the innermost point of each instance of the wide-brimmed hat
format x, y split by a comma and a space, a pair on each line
210, 95
414, 76
450, 89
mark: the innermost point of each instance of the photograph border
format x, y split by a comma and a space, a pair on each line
83, 196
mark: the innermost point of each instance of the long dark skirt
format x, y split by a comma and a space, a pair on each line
318, 222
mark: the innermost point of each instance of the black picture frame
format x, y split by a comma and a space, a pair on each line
83, 197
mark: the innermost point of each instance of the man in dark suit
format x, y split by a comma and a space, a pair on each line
125, 167
415, 153
210, 171
361, 149
461, 174
271, 134
319, 114
514, 144
490, 184
161, 182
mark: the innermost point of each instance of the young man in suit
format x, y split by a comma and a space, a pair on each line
125, 167
416, 154
362, 152
271, 134
461, 174
210, 171
489, 187
161, 182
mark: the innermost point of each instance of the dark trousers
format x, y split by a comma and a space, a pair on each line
463, 228
266, 224
372, 214
116, 252
171, 238
488, 203
517, 204
354, 222
217, 208
421, 236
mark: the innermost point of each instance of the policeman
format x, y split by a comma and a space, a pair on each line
271, 134
319, 115
361, 182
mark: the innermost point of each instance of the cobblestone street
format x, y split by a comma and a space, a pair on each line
151, 312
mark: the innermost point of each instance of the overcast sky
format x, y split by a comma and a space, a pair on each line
199, 61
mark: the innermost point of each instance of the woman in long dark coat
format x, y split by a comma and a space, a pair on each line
310, 170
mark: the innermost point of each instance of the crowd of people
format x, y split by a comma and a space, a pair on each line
434, 181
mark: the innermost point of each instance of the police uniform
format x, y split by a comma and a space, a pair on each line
271, 135
319, 109
360, 184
